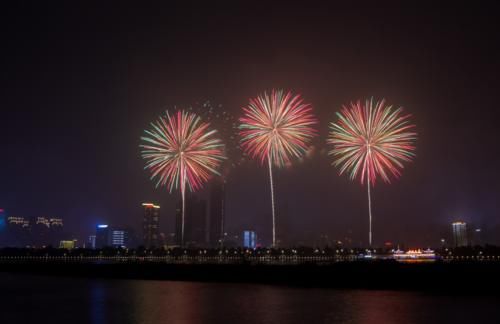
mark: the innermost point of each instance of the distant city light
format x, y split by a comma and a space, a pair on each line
460, 233
249, 239
67, 244
150, 205
414, 255
102, 226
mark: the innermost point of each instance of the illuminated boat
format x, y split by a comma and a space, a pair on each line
414, 255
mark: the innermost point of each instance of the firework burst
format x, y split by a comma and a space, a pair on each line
276, 128
372, 140
181, 151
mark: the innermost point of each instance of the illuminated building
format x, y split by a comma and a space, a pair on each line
102, 236
459, 234
15, 221
38, 232
43, 221
477, 237
107, 236
195, 222
217, 209
41, 231
249, 239
67, 244
151, 225
18, 231
26, 224
3, 220
91, 242
3, 228
120, 238
56, 230
56, 222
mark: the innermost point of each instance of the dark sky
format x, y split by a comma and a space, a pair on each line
80, 83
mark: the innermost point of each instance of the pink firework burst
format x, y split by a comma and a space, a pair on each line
277, 127
372, 140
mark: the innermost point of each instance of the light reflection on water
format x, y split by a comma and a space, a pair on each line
37, 299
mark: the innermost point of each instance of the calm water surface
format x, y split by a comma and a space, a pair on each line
37, 299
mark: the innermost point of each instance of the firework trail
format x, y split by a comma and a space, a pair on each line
181, 151
371, 140
276, 128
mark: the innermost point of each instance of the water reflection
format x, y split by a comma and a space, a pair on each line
97, 302
30, 299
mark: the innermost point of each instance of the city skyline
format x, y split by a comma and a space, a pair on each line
201, 224
310, 238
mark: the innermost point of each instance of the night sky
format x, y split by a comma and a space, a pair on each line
80, 83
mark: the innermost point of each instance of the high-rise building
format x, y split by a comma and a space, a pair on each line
3, 219
151, 225
56, 230
3, 227
18, 231
195, 222
249, 239
91, 242
27, 225
119, 238
102, 236
108, 236
15, 221
217, 209
41, 231
42, 221
459, 234
477, 237
56, 222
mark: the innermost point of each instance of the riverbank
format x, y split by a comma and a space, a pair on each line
436, 276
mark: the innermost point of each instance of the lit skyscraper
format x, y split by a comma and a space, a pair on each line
91, 242
3, 227
101, 236
42, 221
151, 225
249, 239
3, 219
56, 230
459, 234
18, 231
119, 238
477, 237
41, 231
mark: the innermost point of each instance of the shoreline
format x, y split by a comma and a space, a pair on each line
460, 277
